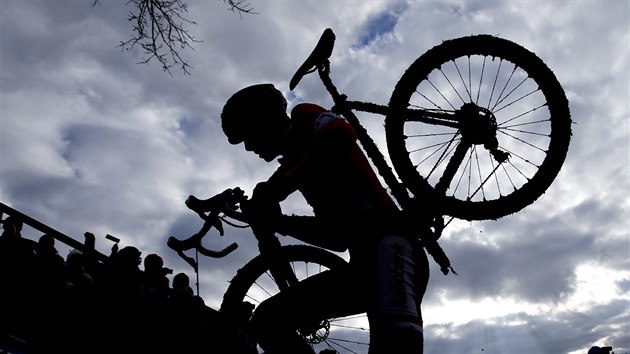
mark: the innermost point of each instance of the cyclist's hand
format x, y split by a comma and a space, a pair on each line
235, 197
262, 210
261, 214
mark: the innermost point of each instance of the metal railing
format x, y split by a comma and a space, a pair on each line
40, 226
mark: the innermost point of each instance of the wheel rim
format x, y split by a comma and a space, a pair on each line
254, 284
520, 94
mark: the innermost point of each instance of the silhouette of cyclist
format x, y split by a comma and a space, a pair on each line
387, 273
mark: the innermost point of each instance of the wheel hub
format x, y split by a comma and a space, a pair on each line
317, 333
478, 125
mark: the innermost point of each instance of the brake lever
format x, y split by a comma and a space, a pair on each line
214, 207
232, 204
214, 220
226, 202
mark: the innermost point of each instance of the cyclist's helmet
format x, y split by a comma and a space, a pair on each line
250, 110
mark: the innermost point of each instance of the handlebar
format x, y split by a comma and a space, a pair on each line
213, 211
226, 202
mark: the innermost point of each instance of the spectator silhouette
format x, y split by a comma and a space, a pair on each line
47, 286
155, 283
17, 258
13, 246
181, 286
89, 258
181, 314
181, 299
600, 350
79, 304
154, 295
48, 264
120, 300
125, 276
82, 305
78, 282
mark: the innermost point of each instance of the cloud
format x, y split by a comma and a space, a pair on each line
91, 141
380, 24
523, 333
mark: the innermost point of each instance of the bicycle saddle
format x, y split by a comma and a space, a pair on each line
320, 54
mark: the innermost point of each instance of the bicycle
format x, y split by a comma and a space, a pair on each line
477, 128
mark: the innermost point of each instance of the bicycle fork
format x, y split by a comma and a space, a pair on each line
280, 270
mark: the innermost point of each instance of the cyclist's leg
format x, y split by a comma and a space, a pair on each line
402, 273
325, 295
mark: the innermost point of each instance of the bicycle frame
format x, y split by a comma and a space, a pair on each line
346, 109
431, 223
473, 124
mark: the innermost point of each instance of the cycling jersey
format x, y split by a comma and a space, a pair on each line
327, 165
321, 159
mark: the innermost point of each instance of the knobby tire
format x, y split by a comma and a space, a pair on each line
534, 127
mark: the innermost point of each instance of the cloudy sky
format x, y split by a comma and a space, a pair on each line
92, 141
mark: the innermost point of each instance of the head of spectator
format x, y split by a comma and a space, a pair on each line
153, 263
46, 244
12, 227
181, 283
600, 350
74, 259
129, 256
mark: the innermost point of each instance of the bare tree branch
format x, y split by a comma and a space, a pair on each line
240, 6
159, 28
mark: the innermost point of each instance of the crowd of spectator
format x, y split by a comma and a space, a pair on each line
81, 304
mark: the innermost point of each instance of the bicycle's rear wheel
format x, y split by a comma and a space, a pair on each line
516, 101
254, 283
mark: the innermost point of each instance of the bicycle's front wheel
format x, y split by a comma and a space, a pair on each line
483, 122
254, 283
